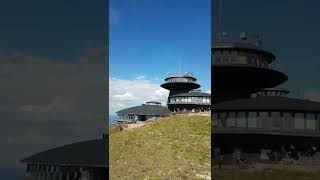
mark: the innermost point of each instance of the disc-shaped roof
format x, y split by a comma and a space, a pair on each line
86, 153
266, 103
227, 77
244, 47
146, 110
180, 85
181, 76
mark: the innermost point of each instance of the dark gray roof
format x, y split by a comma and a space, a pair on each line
86, 153
269, 103
192, 94
146, 110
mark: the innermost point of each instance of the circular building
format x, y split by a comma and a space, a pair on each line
194, 100
240, 69
183, 95
266, 122
82, 160
248, 112
143, 112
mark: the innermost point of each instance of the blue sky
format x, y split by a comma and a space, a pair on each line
148, 37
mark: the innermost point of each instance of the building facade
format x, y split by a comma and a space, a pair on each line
184, 95
249, 111
143, 112
85, 160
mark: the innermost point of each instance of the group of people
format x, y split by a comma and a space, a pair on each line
293, 153
239, 158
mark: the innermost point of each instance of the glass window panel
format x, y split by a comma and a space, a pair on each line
252, 120
215, 120
299, 121
318, 120
287, 121
231, 122
311, 121
275, 120
264, 120
223, 120
241, 119
242, 60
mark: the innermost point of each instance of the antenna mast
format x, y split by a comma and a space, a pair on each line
220, 20
179, 68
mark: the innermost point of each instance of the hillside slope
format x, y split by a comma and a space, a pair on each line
171, 148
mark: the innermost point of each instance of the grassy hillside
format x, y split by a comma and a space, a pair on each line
170, 148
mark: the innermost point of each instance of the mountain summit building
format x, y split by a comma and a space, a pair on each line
143, 112
250, 112
184, 95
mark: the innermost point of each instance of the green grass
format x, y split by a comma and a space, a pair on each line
268, 175
171, 148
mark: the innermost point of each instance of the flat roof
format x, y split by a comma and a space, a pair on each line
242, 46
145, 110
267, 103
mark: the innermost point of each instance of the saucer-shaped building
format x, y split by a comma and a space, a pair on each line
184, 94
249, 112
78, 161
143, 112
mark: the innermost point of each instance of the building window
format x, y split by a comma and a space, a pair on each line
252, 120
275, 120
287, 121
223, 120
231, 122
263, 120
215, 120
243, 60
299, 121
318, 121
311, 121
241, 119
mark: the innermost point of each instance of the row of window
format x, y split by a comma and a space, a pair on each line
240, 57
127, 116
266, 120
204, 100
180, 79
272, 93
42, 168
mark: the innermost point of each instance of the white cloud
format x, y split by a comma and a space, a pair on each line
140, 77
125, 93
127, 96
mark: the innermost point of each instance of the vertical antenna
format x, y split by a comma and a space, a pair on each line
179, 68
220, 19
